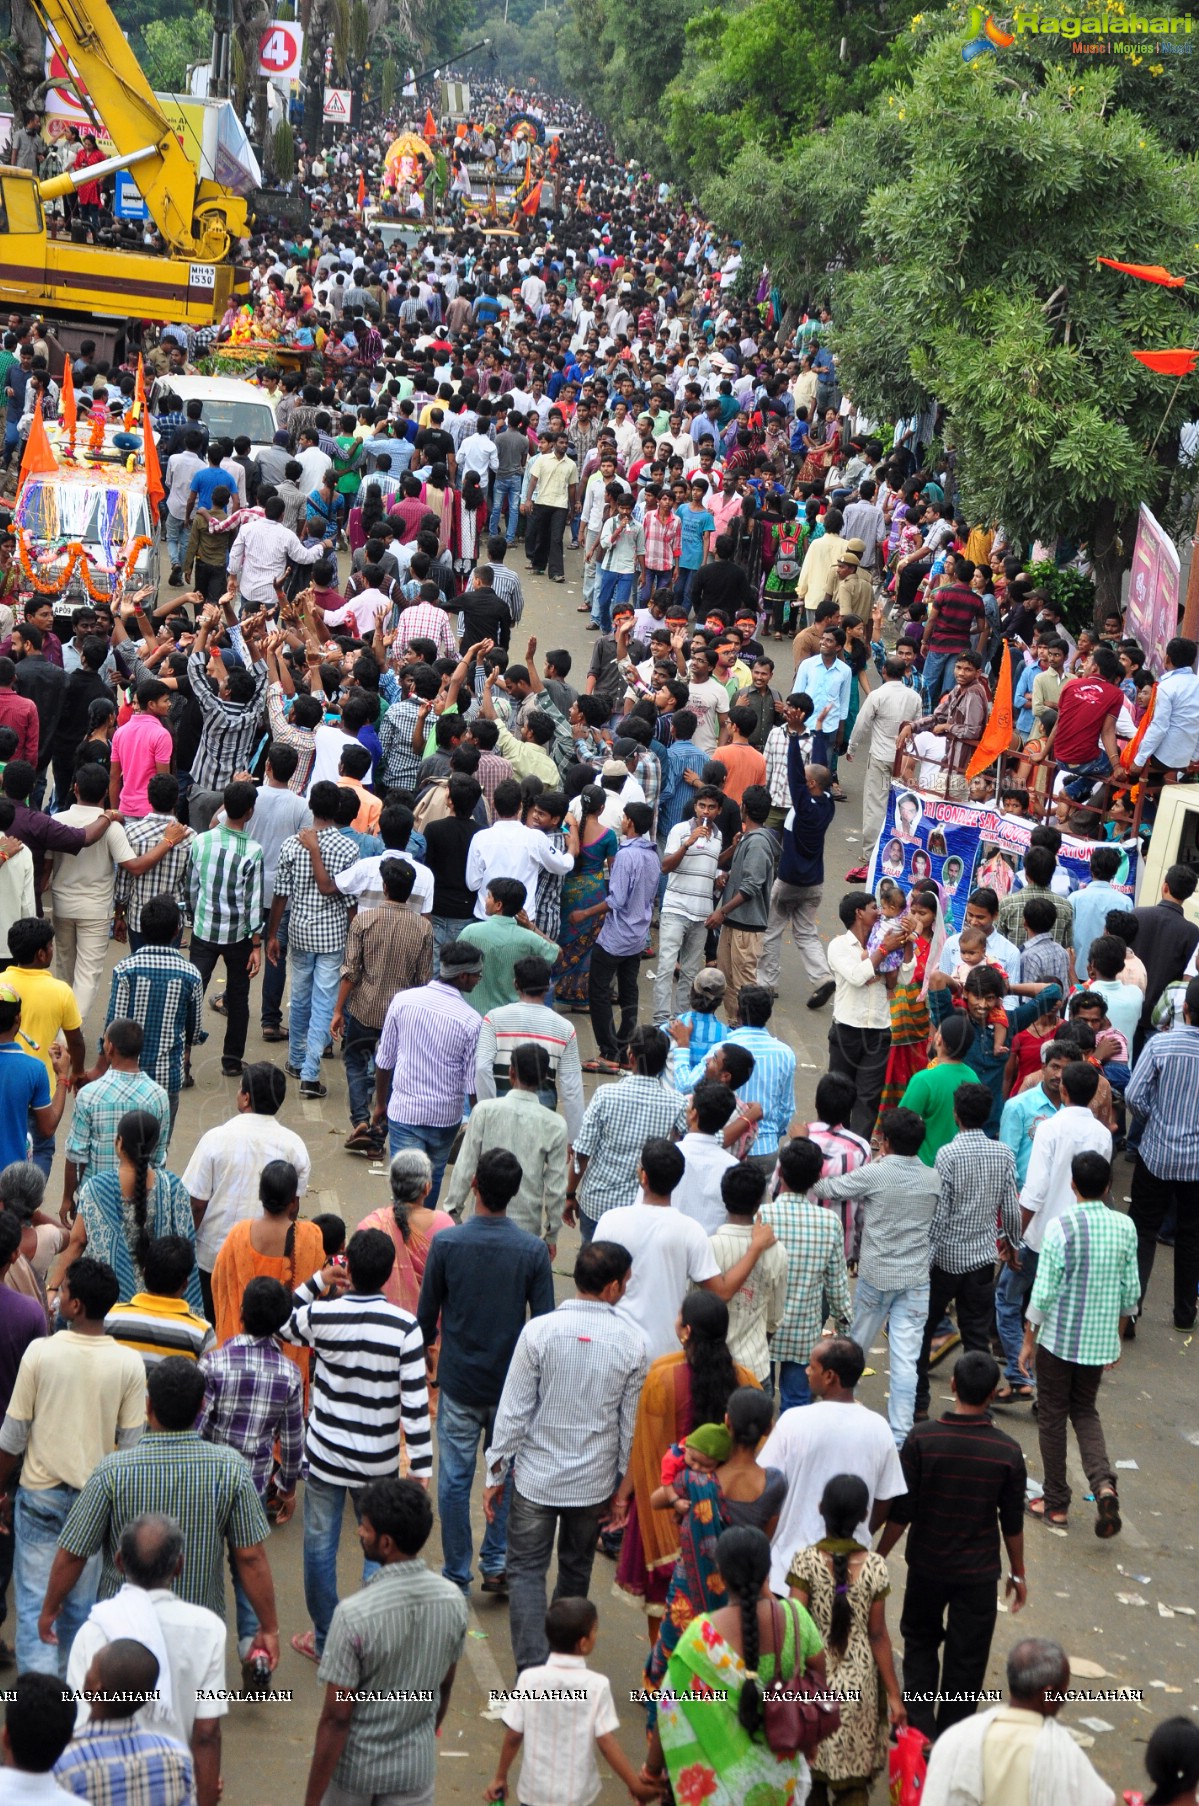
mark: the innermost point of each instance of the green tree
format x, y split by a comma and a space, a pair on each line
169, 46
964, 271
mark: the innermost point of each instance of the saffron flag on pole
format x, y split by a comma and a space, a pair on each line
532, 201
155, 493
430, 131
1168, 363
38, 457
67, 410
139, 389
1147, 272
361, 191
997, 735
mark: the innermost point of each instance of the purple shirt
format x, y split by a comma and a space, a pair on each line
22, 1321
632, 887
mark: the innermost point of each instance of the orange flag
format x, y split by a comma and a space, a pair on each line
38, 458
361, 191
67, 408
155, 493
997, 735
1148, 272
139, 389
532, 201
1168, 363
1128, 757
430, 131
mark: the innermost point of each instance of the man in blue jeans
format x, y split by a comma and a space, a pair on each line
368, 1380
309, 863
76, 1397
900, 1195
425, 1059
481, 1282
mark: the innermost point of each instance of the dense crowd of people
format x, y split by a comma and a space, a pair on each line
324, 755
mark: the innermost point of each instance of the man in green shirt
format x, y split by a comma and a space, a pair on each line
504, 936
930, 1093
1087, 1287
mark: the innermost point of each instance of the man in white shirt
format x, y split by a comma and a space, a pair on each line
315, 463
477, 451
690, 861
223, 1173
697, 1195
362, 881
671, 1253
181, 468
859, 1037
510, 850
260, 552
833, 1435
1074, 1130
188, 1640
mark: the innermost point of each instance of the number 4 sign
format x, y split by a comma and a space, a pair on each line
281, 51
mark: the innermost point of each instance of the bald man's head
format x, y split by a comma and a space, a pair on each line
150, 1553
122, 1677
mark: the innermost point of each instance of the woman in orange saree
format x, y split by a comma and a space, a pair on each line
277, 1245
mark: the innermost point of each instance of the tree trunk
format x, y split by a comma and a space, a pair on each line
1108, 560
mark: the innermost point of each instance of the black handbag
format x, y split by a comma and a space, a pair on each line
796, 1715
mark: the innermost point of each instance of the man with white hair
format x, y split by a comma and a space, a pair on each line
188, 1640
1017, 1755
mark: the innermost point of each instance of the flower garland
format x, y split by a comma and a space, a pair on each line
77, 560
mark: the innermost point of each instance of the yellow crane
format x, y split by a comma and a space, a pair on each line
192, 279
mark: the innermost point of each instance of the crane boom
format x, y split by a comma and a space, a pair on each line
197, 220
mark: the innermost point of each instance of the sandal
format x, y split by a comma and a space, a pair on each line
1108, 1522
1014, 1395
304, 1643
1058, 1519
218, 1004
607, 1067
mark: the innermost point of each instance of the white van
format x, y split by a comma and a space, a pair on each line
231, 407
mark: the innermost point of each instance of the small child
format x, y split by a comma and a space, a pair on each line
333, 1233
891, 903
706, 1448
561, 1711
1014, 802
972, 953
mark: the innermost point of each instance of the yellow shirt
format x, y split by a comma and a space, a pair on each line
77, 1393
552, 478
1007, 1756
47, 1006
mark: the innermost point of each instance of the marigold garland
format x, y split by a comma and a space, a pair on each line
77, 559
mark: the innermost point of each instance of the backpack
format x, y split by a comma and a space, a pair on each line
432, 805
786, 561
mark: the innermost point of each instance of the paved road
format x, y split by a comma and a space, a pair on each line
1151, 1410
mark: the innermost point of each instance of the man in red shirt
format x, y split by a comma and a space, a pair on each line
1083, 740
19, 713
954, 614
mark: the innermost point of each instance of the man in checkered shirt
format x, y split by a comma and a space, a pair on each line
309, 863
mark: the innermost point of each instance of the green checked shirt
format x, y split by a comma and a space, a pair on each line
225, 887
208, 1489
1086, 1281
816, 1271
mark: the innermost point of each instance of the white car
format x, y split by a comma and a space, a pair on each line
231, 407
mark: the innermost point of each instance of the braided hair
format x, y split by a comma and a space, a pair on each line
843, 1504
137, 1133
277, 1190
743, 1557
713, 1375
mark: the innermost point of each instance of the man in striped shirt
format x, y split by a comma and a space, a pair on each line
225, 885
231, 713
368, 1380
158, 1322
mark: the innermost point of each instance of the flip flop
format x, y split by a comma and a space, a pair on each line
1014, 1395
940, 1349
1108, 1522
608, 1067
1056, 1519
304, 1643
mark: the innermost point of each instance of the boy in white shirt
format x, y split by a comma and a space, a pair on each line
560, 1734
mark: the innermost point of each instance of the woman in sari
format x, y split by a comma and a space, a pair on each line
681, 1392
467, 526
583, 890
910, 1021
436, 497
824, 443
276, 1245
713, 1746
707, 1496
122, 1212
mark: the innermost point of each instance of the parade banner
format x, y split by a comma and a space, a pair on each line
959, 847
1154, 582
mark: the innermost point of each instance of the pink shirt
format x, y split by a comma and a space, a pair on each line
139, 748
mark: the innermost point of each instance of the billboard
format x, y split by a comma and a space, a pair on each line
959, 847
1154, 582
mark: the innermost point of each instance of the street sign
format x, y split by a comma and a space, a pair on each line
281, 51
127, 201
338, 102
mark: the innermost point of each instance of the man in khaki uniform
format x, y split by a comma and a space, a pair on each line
853, 591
